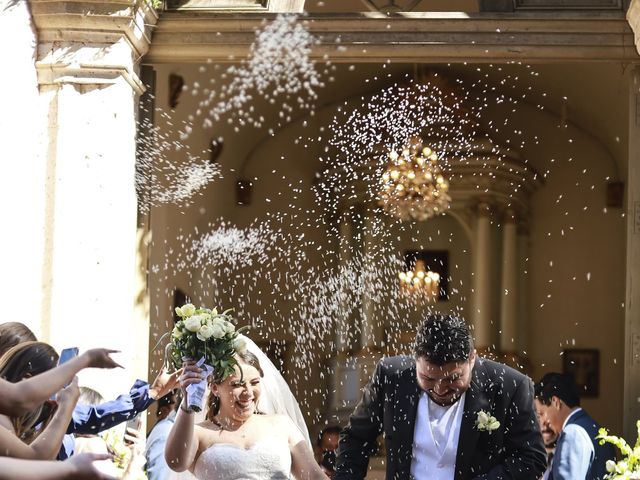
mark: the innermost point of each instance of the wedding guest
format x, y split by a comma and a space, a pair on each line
18, 398
166, 405
89, 419
326, 444
92, 442
446, 413
329, 437
80, 467
97, 418
19, 437
549, 437
127, 461
157, 468
578, 454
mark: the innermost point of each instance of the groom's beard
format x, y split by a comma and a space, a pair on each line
445, 400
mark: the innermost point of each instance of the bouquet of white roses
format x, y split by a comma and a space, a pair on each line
629, 467
209, 338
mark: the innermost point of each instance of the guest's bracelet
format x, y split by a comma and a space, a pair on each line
185, 410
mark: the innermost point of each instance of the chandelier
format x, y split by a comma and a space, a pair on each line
413, 186
420, 283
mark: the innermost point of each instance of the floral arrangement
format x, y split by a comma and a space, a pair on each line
202, 333
486, 422
629, 467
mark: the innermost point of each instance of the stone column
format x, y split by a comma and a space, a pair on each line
509, 285
524, 263
87, 71
370, 331
632, 301
345, 386
341, 326
481, 295
633, 17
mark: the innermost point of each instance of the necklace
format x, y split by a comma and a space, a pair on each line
222, 427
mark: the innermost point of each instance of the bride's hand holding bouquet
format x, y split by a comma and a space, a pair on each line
203, 341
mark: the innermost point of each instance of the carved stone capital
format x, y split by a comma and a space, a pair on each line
633, 17
484, 209
92, 42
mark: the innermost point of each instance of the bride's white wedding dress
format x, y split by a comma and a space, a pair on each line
268, 459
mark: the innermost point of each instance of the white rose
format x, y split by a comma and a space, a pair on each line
188, 310
177, 332
218, 331
483, 417
205, 332
240, 345
217, 321
228, 327
611, 466
193, 323
179, 312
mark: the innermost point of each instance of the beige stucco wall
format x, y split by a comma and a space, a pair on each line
576, 267
23, 123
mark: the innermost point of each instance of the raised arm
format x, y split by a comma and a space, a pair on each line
182, 444
47, 443
526, 457
92, 419
19, 398
358, 439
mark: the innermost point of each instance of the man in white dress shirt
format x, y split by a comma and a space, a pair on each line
445, 413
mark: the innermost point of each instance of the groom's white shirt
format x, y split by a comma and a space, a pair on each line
435, 439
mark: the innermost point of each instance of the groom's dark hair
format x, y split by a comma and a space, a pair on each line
443, 339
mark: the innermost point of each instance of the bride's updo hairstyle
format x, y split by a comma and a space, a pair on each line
25, 360
245, 357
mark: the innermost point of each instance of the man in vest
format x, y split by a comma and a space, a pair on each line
578, 455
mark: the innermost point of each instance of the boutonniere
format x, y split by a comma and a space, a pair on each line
486, 422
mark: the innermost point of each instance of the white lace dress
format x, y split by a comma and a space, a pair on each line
268, 459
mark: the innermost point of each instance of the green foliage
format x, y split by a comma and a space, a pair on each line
155, 3
629, 467
202, 332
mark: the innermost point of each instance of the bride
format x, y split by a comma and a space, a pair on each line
236, 441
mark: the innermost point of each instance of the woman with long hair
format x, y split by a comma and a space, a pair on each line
19, 437
19, 398
236, 441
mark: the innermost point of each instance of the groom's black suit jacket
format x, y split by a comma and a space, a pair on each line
389, 405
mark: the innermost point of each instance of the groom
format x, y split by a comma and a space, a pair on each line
429, 409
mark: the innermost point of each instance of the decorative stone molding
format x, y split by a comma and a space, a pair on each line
496, 5
236, 6
633, 17
92, 42
410, 37
569, 4
513, 5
